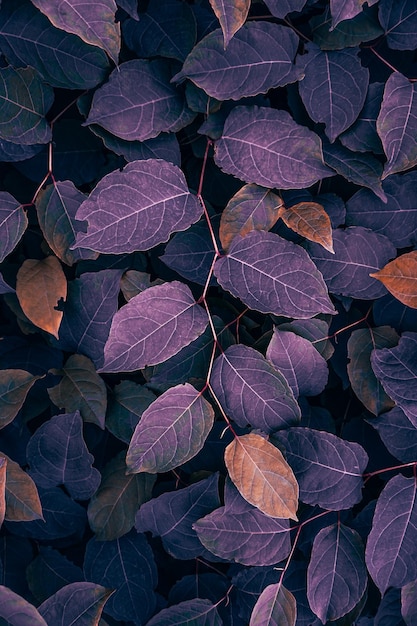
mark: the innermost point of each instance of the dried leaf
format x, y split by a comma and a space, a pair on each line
400, 278
310, 220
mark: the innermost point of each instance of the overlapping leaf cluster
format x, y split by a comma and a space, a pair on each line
208, 228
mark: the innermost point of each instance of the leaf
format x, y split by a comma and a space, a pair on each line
56, 207
399, 277
232, 15
281, 8
81, 389
391, 556
57, 455
132, 575
13, 223
349, 33
157, 204
40, 286
14, 387
327, 468
253, 392
239, 532
255, 136
77, 603
3, 469
276, 606
334, 87
130, 6
171, 431
399, 21
357, 253
171, 516
251, 208
398, 434
22, 498
347, 9
112, 509
49, 572
268, 51
196, 611
298, 360
397, 124
408, 603
310, 220
272, 275
139, 114
17, 611
125, 408
336, 575
24, 101
362, 378
27, 37
263, 477
169, 319
396, 369
362, 135
93, 23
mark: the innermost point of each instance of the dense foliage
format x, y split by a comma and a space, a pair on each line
208, 355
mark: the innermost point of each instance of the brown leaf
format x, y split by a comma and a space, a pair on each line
40, 285
310, 220
262, 475
3, 469
22, 498
231, 15
400, 278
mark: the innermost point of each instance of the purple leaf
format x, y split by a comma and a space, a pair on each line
126, 565
276, 606
315, 331
240, 532
152, 327
409, 603
251, 391
328, 469
266, 147
171, 516
231, 15
140, 114
13, 152
397, 124
196, 611
336, 575
281, 8
396, 369
27, 37
5, 287
268, 52
396, 218
389, 611
334, 87
249, 584
273, 275
362, 135
298, 360
57, 455
125, 407
346, 9
49, 572
137, 208
93, 23
17, 611
358, 253
77, 603
398, 434
171, 431
165, 146
391, 551
169, 33
24, 99
399, 20
13, 223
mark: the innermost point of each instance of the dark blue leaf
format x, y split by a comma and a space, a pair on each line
346, 9
171, 516
363, 27
398, 434
125, 407
334, 87
388, 311
362, 135
16, 555
13, 223
399, 19
126, 565
51, 571
208, 585
358, 253
77, 603
389, 611
409, 603
13, 152
281, 8
249, 583
165, 146
199, 612
130, 6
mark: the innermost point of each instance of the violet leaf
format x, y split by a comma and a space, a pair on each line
276, 606
13, 223
197, 611
80, 602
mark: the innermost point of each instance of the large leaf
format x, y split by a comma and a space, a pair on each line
397, 124
131, 113
310, 220
153, 326
266, 147
336, 575
391, 552
268, 51
197, 611
261, 474
94, 23
13, 223
253, 392
399, 277
276, 606
14, 387
17, 611
334, 87
171, 431
328, 469
232, 15
273, 275
155, 203
399, 21
78, 603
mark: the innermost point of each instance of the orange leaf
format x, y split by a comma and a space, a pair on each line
310, 220
231, 14
400, 278
40, 285
262, 475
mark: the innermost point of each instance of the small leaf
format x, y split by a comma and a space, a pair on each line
310, 220
78, 603
281, 8
17, 611
125, 407
40, 286
14, 387
263, 477
22, 498
276, 606
3, 470
231, 14
93, 23
13, 223
171, 431
197, 611
400, 278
